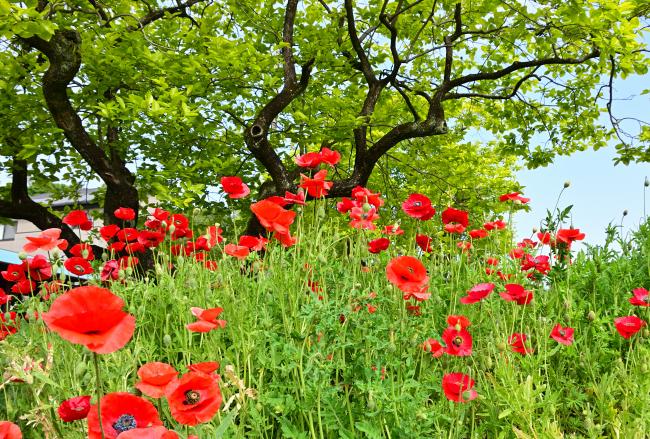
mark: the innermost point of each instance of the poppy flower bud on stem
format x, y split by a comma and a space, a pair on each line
535, 229
646, 183
84, 253
172, 228
22, 256
625, 212
567, 184
591, 316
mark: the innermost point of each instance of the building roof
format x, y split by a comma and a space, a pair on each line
85, 197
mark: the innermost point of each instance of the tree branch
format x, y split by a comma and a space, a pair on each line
513, 92
517, 65
256, 135
366, 68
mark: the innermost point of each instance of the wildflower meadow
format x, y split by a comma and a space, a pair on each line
437, 325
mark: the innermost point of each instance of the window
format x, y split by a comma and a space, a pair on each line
7, 232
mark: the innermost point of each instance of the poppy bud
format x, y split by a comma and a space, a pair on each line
163, 224
501, 346
129, 271
84, 253
22, 256
646, 183
7, 316
591, 316
366, 207
172, 228
625, 212
489, 363
646, 333
535, 229
104, 257
167, 340
567, 184
80, 369
320, 212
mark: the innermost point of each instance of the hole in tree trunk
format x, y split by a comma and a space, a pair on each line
256, 131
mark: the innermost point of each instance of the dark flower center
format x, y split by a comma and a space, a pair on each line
562, 332
124, 423
192, 397
417, 204
458, 340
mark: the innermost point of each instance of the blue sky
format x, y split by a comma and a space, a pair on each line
599, 191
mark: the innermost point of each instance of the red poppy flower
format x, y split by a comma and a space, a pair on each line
47, 240
9, 430
362, 218
515, 196
393, 229
492, 225
23, 286
234, 187
78, 218
539, 263
628, 326
107, 232
409, 275
517, 342
424, 242
458, 387
127, 234
451, 215
309, 160
8, 326
517, 253
562, 335
567, 236
517, 293
418, 206
317, 186
93, 317
458, 341
454, 228
364, 195
273, 217
378, 245
150, 238
477, 293
285, 239
149, 433
434, 347
297, 198
124, 213
74, 409
207, 367
83, 250
154, 377
39, 268
478, 233
492, 261
459, 322
194, 398
254, 243
121, 412
641, 297
14, 272
329, 156
110, 271
207, 319
544, 237
346, 205
4, 298
78, 266
414, 310
237, 251
527, 243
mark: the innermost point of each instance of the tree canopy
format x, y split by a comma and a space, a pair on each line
164, 97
